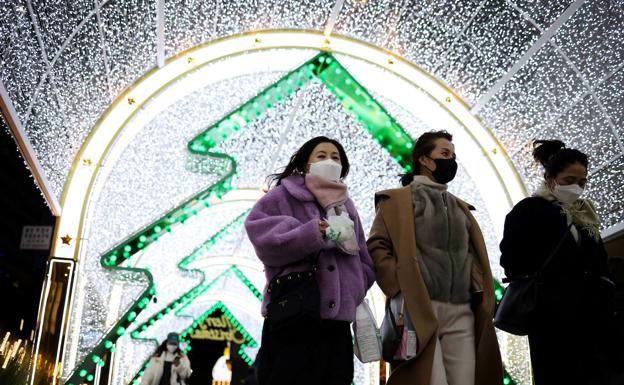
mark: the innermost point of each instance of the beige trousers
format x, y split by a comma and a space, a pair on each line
454, 358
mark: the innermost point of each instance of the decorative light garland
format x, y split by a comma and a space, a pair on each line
188, 297
352, 96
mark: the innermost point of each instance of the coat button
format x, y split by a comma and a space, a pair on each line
332, 304
331, 267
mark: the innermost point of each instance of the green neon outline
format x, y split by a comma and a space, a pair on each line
250, 342
353, 97
188, 297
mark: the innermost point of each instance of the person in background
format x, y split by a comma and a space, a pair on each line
567, 331
169, 365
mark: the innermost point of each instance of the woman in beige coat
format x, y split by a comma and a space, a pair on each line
427, 246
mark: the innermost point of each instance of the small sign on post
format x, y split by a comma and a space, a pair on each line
36, 238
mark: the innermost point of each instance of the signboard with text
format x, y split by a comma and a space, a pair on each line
217, 329
36, 238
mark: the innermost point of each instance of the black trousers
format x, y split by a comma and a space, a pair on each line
562, 358
569, 341
306, 352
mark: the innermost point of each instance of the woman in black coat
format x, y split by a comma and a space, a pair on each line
568, 330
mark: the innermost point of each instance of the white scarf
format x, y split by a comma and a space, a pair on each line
580, 212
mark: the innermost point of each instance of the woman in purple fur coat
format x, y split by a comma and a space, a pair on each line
307, 213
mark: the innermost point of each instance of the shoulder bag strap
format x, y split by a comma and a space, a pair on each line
395, 322
546, 262
312, 259
555, 251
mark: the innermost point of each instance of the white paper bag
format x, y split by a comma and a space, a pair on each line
367, 347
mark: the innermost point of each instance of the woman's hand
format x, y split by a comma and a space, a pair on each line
323, 225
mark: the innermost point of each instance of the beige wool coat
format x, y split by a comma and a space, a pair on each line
392, 245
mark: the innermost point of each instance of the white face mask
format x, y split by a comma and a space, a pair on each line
327, 169
568, 194
172, 348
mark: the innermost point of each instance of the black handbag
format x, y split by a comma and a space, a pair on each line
392, 328
519, 300
294, 296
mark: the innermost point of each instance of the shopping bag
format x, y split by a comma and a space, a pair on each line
367, 346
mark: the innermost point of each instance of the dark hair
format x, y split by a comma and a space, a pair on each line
423, 146
299, 160
163, 347
555, 157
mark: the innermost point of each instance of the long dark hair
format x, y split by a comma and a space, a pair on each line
299, 160
555, 157
163, 347
423, 146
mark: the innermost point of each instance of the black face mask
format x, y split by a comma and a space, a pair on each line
445, 170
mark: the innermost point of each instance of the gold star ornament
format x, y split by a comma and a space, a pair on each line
66, 240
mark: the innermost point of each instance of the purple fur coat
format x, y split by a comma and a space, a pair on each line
283, 226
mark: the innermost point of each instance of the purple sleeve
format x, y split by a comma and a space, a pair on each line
367, 262
281, 239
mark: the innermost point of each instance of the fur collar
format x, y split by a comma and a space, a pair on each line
424, 180
295, 185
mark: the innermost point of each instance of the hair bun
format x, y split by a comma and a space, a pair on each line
544, 150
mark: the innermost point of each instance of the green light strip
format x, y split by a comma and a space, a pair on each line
168, 222
253, 109
254, 290
86, 370
196, 291
498, 290
351, 95
507, 380
356, 100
